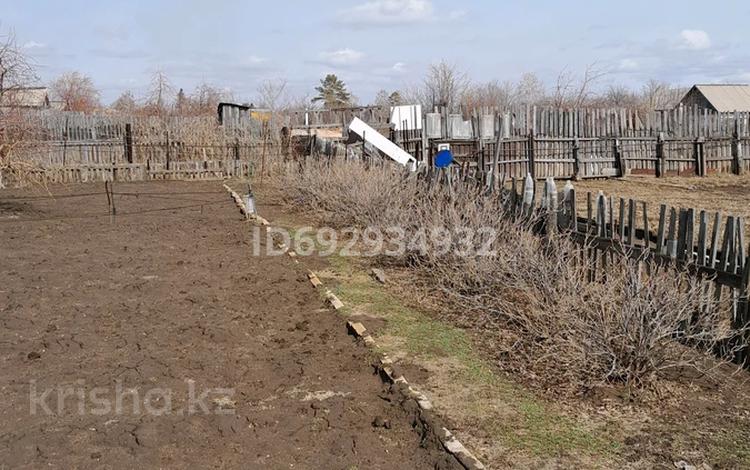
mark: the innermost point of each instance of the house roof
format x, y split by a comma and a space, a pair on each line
727, 98
31, 97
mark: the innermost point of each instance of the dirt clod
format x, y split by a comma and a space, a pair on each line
381, 422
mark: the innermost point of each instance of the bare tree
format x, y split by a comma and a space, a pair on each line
492, 94
76, 91
661, 95
620, 96
529, 90
272, 94
205, 99
16, 70
445, 85
298, 101
386, 100
160, 94
181, 103
572, 91
16, 131
125, 103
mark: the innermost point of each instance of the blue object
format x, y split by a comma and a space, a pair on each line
443, 159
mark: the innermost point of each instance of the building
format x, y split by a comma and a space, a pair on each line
718, 98
26, 97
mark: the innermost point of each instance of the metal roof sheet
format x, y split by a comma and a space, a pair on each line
727, 98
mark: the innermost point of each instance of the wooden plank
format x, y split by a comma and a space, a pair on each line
601, 244
671, 241
702, 226
660, 231
732, 256
573, 210
741, 244
646, 235
601, 216
714, 240
689, 228
743, 312
681, 235
631, 222
723, 262
622, 220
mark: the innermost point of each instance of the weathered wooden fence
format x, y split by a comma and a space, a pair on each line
710, 246
74, 147
522, 121
195, 170
572, 144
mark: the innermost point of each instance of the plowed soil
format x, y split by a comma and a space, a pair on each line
161, 298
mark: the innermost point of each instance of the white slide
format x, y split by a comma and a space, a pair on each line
380, 142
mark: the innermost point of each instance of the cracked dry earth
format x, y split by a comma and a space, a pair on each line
108, 325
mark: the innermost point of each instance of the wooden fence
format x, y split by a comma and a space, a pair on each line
584, 123
49, 125
710, 246
197, 170
74, 147
578, 145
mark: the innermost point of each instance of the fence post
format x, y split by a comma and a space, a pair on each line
577, 171
570, 199
531, 155
737, 149
425, 143
700, 160
128, 141
528, 196
552, 205
168, 154
620, 164
660, 160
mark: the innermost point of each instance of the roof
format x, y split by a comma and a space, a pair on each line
727, 98
31, 97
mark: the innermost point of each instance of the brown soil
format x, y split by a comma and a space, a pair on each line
727, 194
167, 291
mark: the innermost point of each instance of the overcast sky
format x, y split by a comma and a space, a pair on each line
379, 44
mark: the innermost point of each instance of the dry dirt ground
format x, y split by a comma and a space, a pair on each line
728, 194
137, 306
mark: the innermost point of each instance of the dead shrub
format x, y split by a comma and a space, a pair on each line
349, 193
628, 325
18, 144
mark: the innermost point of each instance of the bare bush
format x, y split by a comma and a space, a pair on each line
16, 132
125, 103
559, 327
350, 193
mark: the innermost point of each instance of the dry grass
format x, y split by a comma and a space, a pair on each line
728, 194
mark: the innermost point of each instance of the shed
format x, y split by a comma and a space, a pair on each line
720, 98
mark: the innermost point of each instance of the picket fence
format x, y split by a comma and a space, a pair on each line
710, 246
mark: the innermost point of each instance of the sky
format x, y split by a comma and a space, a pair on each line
378, 44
